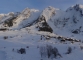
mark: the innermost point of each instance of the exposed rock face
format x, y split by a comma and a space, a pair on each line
43, 25
48, 20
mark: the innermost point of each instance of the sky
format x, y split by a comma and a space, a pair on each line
18, 5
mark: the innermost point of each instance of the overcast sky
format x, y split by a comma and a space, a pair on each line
18, 5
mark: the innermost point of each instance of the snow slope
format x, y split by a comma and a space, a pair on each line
34, 31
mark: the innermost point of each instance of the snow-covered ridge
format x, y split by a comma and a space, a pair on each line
50, 34
48, 12
54, 18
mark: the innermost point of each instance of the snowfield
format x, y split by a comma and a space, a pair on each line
50, 34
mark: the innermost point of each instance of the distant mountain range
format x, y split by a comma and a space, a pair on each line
50, 19
50, 34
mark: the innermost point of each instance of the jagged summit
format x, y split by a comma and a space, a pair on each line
48, 12
50, 34
26, 11
50, 19
76, 7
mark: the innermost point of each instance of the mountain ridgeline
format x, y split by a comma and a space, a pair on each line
48, 20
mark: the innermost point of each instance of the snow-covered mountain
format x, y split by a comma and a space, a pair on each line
52, 17
50, 34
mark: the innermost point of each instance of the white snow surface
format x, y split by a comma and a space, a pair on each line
24, 34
